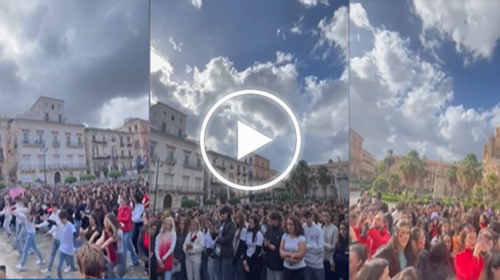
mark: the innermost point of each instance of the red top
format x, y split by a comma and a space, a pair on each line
434, 231
124, 217
467, 266
375, 239
145, 200
145, 241
165, 243
482, 225
111, 249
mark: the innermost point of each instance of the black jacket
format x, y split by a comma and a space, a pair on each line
226, 240
273, 258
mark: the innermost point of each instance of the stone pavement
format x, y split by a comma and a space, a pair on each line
10, 258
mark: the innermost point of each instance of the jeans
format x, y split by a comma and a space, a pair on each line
167, 275
211, 267
54, 248
68, 259
224, 268
30, 244
19, 227
311, 273
118, 269
274, 275
78, 224
204, 266
135, 234
19, 239
127, 241
6, 223
239, 272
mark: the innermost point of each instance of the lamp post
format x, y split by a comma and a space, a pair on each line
158, 164
44, 150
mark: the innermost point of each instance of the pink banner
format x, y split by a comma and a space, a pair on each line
15, 192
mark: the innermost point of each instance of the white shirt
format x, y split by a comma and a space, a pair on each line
209, 241
66, 233
292, 245
253, 244
137, 213
198, 243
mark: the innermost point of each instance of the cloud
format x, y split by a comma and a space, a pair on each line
472, 25
86, 53
313, 3
197, 3
400, 101
333, 32
176, 46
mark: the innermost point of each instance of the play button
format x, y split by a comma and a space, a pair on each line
249, 140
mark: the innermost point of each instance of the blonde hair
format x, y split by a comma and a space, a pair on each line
197, 223
172, 225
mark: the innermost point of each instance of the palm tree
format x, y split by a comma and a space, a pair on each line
389, 161
471, 172
412, 169
290, 190
324, 178
300, 177
394, 181
452, 176
491, 184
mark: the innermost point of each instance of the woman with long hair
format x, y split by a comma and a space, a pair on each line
164, 248
179, 254
398, 252
417, 240
468, 262
252, 258
112, 241
143, 241
438, 266
239, 245
341, 253
293, 249
154, 230
193, 247
374, 269
491, 267
357, 258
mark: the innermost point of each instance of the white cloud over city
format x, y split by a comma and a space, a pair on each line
401, 99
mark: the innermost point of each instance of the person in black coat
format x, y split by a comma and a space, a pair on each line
341, 253
154, 230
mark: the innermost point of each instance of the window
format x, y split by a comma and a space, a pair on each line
26, 138
40, 138
170, 155
151, 151
46, 117
79, 141
52, 106
130, 153
186, 159
123, 153
68, 140
198, 163
55, 140
180, 133
128, 139
93, 138
172, 118
180, 120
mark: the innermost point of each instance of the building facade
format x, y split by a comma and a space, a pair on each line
339, 185
140, 130
236, 171
4, 134
261, 172
368, 167
355, 153
44, 145
109, 150
176, 166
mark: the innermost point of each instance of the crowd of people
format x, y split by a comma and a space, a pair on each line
251, 242
97, 224
423, 241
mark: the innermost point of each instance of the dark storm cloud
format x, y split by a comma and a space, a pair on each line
85, 52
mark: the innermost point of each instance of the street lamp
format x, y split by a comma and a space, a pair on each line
44, 150
158, 164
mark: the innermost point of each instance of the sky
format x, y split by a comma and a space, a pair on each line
423, 76
94, 54
296, 50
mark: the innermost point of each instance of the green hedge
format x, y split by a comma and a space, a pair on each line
189, 203
70, 180
395, 198
3, 185
209, 202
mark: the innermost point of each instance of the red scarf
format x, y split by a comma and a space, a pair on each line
145, 241
164, 246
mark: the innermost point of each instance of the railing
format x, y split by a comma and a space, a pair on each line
101, 156
56, 144
181, 189
73, 145
32, 144
95, 141
171, 161
194, 165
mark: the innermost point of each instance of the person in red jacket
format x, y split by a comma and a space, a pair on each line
124, 218
468, 262
375, 234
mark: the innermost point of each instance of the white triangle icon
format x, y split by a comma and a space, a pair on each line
249, 140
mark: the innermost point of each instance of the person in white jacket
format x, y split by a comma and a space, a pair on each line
194, 245
7, 218
165, 245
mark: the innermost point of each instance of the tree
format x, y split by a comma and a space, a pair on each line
70, 179
394, 181
470, 172
324, 178
3, 185
290, 190
300, 177
491, 184
389, 161
478, 192
380, 184
412, 169
452, 177
380, 168
114, 174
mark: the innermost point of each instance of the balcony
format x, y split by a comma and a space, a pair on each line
126, 157
74, 166
100, 142
101, 157
171, 161
168, 188
193, 165
73, 145
56, 144
25, 168
32, 144
129, 145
